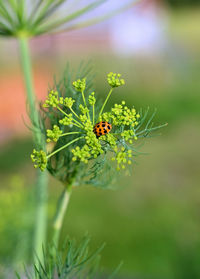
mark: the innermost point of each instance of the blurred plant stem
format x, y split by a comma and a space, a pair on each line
41, 180
60, 213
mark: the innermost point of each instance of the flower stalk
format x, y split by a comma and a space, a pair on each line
63, 147
41, 180
106, 100
60, 213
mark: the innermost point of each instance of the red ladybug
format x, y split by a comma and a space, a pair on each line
102, 128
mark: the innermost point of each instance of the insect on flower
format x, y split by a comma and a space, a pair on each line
76, 137
102, 128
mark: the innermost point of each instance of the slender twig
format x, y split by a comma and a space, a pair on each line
93, 112
78, 124
106, 100
57, 23
84, 101
70, 133
63, 147
74, 112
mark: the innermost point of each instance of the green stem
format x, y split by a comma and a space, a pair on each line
106, 100
41, 215
60, 213
78, 124
63, 147
93, 111
70, 133
84, 101
27, 71
74, 113
41, 181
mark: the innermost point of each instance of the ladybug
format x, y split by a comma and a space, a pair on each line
102, 128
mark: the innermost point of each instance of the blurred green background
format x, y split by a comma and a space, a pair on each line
152, 220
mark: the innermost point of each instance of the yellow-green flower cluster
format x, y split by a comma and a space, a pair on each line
128, 135
82, 154
80, 84
123, 157
92, 99
52, 99
122, 115
91, 150
39, 158
94, 144
67, 120
111, 139
83, 118
53, 135
68, 102
114, 80
83, 109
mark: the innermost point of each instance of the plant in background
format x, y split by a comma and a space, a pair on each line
87, 144
24, 19
73, 261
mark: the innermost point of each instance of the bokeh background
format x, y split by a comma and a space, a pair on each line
152, 220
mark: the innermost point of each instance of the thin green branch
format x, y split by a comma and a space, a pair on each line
70, 133
5, 14
150, 119
42, 12
68, 18
21, 11
96, 20
5, 29
63, 147
143, 118
78, 124
35, 10
148, 130
45, 12
74, 112
93, 114
84, 101
106, 100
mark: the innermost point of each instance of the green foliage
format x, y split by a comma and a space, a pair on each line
74, 261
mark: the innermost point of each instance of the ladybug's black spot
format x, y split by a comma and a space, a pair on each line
98, 126
103, 122
100, 134
103, 125
108, 127
105, 131
100, 130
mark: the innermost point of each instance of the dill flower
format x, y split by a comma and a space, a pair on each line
27, 18
39, 159
78, 153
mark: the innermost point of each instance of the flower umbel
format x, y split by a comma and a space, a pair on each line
80, 84
74, 133
39, 159
114, 80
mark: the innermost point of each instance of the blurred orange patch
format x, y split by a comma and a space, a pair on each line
13, 104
